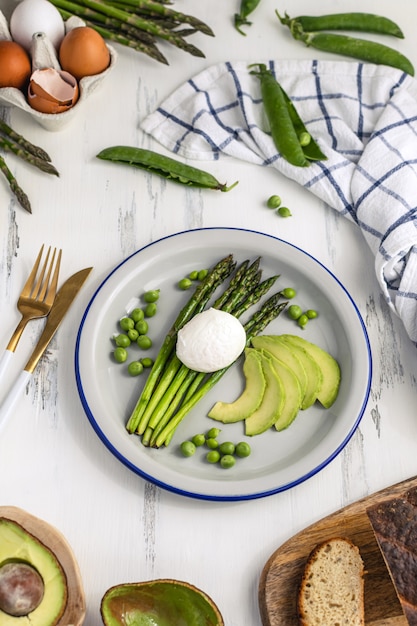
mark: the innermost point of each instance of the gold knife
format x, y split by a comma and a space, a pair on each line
62, 303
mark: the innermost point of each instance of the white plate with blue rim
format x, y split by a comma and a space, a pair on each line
278, 460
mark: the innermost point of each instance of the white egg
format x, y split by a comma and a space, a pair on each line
36, 16
210, 341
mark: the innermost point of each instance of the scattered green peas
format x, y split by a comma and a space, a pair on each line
147, 361
213, 432
151, 296
213, 456
122, 341
151, 309
302, 320
212, 443
243, 449
202, 274
193, 275
132, 334
294, 311
188, 448
120, 355
199, 440
137, 315
273, 202
227, 447
184, 284
126, 323
289, 293
142, 327
135, 368
227, 461
144, 342
284, 211
311, 314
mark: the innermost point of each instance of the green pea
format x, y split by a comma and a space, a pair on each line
243, 449
132, 334
144, 342
122, 341
213, 456
302, 320
135, 368
202, 274
284, 211
273, 202
289, 293
311, 314
304, 139
142, 327
184, 284
213, 433
187, 448
193, 275
147, 361
227, 447
294, 311
137, 315
120, 355
126, 323
212, 443
151, 309
199, 440
227, 461
151, 296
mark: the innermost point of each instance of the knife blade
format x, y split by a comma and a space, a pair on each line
62, 303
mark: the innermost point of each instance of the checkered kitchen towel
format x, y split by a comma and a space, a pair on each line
365, 119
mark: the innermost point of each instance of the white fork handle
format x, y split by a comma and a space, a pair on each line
12, 397
4, 361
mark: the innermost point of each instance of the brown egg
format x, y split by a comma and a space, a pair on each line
15, 65
52, 91
83, 52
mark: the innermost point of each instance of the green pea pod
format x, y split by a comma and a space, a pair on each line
285, 123
361, 22
363, 49
241, 18
311, 149
163, 166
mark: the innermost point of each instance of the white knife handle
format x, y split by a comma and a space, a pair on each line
12, 397
4, 361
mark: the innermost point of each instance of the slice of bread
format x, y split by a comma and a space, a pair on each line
331, 592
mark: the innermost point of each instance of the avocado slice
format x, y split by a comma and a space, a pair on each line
282, 351
19, 546
272, 403
293, 395
329, 367
250, 398
314, 373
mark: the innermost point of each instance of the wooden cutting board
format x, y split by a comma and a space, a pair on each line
282, 572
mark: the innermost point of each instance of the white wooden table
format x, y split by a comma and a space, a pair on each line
53, 465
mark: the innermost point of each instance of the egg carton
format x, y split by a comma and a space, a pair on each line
44, 55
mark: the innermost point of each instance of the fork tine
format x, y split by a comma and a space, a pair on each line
54, 282
41, 286
27, 288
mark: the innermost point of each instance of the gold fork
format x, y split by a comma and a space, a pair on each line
36, 298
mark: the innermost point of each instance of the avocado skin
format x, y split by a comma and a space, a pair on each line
17, 544
251, 397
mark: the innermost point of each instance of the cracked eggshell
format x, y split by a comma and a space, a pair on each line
52, 91
44, 56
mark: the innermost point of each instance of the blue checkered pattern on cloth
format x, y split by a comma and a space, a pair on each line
365, 119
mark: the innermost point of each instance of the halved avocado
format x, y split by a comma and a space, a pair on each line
163, 602
329, 367
250, 398
17, 545
293, 395
272, 403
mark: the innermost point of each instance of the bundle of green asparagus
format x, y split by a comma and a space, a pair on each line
11, 141
137, 24
172, 389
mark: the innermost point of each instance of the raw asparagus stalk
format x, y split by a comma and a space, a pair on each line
14, 186
10, 146
24, 143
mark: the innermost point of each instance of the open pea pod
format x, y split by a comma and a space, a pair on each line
163, 166
311, 150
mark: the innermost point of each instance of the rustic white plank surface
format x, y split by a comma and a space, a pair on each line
52, 463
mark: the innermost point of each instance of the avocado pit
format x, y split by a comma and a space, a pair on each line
21, 588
